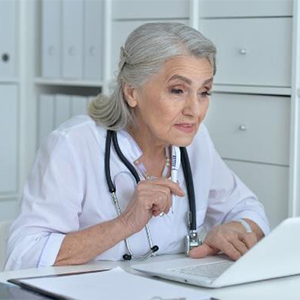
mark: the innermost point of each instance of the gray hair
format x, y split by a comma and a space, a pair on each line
146, 49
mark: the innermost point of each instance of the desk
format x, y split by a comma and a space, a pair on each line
287, 288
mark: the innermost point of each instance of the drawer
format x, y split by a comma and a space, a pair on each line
254, 51
8, 37
150, 9
245, 8
9, 139
120, 32
269, 183
250, 127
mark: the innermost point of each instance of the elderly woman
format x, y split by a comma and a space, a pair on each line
82, 202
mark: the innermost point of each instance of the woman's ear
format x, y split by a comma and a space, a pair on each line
130, 94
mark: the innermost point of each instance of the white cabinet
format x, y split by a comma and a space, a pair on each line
252, 51
9, 139
269, 183
150, 9
250, 127
8, 37
245, 8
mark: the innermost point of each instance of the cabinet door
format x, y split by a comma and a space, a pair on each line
246, 8
150, 9
250, 127
8, 136
120, 32
269, 183
252, 51
8, 11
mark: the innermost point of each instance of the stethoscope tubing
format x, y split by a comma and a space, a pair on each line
112, 136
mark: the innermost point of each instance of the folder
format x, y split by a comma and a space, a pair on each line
8, 12
93, 39
46, 116
13, 292
78, 105
109, 285
51, 38
9, 138
72, 28
62, 110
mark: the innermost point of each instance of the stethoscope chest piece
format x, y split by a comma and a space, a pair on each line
192, 240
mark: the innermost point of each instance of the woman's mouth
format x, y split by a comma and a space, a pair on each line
185, 127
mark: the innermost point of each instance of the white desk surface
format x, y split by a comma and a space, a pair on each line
287, 288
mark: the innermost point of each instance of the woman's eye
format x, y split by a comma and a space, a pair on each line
205, 94
177, 91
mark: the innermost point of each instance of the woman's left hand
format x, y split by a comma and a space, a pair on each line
231, 238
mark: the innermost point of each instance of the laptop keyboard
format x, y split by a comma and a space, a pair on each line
212, 270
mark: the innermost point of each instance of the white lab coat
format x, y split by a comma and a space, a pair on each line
66, 191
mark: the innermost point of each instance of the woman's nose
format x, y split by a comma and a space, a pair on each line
192, 105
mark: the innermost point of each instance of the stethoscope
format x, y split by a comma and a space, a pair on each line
191, 240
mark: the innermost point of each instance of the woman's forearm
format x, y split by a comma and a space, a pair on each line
82, 246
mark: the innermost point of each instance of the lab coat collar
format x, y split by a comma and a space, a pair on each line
129, 146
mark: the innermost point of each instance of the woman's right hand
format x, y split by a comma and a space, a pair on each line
150, 198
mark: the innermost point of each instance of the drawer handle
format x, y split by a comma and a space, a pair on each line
243, 51
243, 128
5, 57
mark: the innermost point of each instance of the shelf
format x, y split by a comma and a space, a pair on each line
9, 197
70, 82
10, 80
265, 90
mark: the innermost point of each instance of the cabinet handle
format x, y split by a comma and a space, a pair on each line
5, 57
243, 128
243, 51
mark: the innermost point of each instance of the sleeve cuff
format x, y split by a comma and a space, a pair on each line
263, 224
51, 250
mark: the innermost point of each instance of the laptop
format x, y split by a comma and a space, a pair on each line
276, 255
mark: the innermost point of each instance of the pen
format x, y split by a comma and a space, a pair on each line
175, 167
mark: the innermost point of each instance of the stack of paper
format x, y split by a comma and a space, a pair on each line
114, 284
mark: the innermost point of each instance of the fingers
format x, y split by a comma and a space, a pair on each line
220, 238
172, 186
249, 239
159, 194
164, 197
202, 251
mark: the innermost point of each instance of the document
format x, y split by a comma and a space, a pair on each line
114, 284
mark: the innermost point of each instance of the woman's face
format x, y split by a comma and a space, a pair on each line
171, 105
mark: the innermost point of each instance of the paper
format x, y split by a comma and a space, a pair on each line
115, 284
